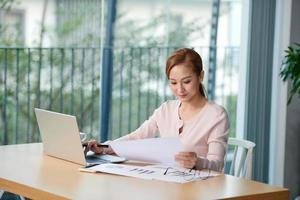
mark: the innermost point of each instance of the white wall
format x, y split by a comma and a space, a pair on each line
284, 169
292, 150
33, 14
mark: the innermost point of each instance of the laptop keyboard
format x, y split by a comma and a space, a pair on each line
95, 159
100, 159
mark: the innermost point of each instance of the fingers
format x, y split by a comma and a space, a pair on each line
186, 155
92, 145
186, 159
108, 150
186, 164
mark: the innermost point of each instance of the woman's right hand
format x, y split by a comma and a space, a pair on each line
93, 146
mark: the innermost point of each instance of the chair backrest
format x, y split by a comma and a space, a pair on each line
241, 158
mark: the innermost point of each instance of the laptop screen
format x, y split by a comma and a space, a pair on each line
60, 135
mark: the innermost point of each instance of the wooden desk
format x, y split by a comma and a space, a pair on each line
26, 171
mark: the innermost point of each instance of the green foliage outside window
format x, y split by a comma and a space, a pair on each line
142, 89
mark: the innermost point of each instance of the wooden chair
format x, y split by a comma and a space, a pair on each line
241, 158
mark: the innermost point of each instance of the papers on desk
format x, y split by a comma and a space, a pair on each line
153, 172
153, 150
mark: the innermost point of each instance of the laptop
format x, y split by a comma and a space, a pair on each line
61, 139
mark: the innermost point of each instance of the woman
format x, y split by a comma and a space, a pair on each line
202, 126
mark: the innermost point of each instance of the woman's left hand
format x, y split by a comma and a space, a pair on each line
186, 159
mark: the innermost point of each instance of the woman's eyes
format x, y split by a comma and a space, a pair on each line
185, 82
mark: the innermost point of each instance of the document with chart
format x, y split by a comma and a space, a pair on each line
154, 172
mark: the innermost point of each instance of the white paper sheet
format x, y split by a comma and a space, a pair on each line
153, 150
154, 172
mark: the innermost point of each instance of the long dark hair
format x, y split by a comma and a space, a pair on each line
191, 58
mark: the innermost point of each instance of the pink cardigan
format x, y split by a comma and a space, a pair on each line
206, 133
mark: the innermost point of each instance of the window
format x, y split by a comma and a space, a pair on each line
12, 27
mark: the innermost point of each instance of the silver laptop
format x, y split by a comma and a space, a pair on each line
61, 139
